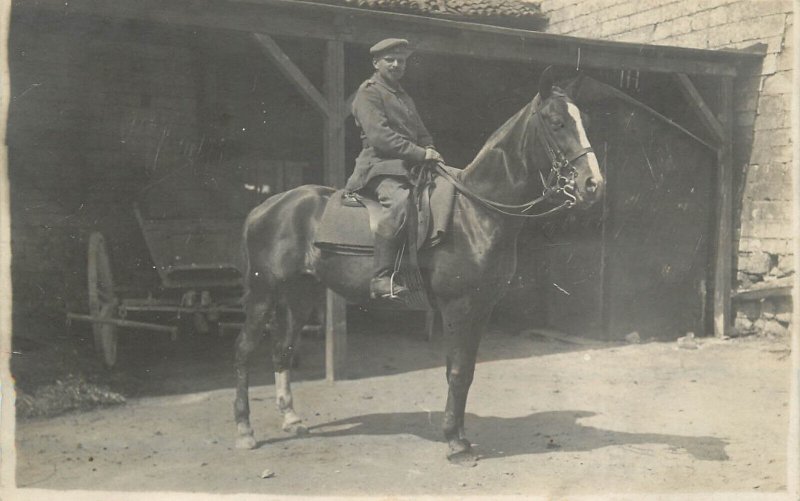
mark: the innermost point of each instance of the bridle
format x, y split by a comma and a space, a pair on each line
560, 180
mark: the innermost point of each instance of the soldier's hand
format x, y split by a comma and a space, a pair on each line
433, 155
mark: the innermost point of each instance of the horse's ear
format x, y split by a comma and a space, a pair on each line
546, 83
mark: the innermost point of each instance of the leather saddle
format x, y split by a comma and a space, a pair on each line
348, 228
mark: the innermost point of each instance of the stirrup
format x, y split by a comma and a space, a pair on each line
396, 291
403, 289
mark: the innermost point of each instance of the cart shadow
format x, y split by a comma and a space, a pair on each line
537, 433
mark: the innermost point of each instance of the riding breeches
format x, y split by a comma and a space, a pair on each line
393, 195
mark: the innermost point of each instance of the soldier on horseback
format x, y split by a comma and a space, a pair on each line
394, 140
540, 155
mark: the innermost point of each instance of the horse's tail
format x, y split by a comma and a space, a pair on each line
246, 265
244, 259
254, 277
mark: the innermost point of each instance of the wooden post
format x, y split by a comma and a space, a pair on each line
331, 106
334, 175
605, 225
724, 241
335, 336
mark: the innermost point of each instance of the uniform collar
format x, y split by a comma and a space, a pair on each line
377, 78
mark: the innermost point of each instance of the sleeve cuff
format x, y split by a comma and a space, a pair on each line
419, 154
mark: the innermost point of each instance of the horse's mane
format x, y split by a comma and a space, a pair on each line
504, 159
520, 118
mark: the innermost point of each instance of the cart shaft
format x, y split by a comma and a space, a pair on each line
151, 308
173, 331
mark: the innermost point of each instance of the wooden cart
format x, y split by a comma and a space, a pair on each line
193, 235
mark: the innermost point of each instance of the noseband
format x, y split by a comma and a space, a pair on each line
560, 180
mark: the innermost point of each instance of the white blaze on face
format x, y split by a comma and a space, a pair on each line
594, 166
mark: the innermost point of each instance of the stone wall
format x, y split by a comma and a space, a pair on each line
763, 151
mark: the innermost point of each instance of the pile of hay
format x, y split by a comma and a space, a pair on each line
72, 393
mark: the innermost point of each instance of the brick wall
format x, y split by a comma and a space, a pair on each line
762, 117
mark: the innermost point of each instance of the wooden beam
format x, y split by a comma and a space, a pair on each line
603, 58
724, 242
348, 104
334, 175
621, 49
699, 106
363, 26
334, 154
618, 94
292, 72
764, 292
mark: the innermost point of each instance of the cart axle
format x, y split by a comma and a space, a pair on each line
238, 325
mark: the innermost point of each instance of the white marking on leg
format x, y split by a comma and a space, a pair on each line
594, 166
283, 391
283, 397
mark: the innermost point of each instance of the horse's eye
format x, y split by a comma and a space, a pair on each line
557, 124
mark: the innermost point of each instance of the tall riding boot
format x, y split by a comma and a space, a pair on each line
383, 285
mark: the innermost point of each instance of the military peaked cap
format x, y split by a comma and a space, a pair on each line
390, 44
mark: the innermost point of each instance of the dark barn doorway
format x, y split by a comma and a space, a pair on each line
640, 261
202, 90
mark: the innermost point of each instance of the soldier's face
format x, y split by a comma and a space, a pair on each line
391, 66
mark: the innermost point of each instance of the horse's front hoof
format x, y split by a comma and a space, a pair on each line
295, 428
246, 442
293, 424
461, 453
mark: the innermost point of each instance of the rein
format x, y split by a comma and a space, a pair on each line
499, 207
557, 183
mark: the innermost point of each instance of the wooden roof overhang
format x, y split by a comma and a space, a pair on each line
363, 26
337, 25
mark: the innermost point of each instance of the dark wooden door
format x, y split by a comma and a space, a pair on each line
638, 262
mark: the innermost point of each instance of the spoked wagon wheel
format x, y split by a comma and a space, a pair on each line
102, 300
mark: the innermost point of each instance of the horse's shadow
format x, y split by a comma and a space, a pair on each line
537, 433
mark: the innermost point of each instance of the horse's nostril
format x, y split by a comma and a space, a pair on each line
591, 185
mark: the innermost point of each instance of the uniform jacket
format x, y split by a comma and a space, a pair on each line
392, 133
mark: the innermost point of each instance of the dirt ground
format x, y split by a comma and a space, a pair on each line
548, 418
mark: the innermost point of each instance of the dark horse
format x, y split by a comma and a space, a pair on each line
541, 149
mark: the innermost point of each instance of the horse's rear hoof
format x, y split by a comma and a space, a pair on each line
461, 454
467, 459
246, 442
